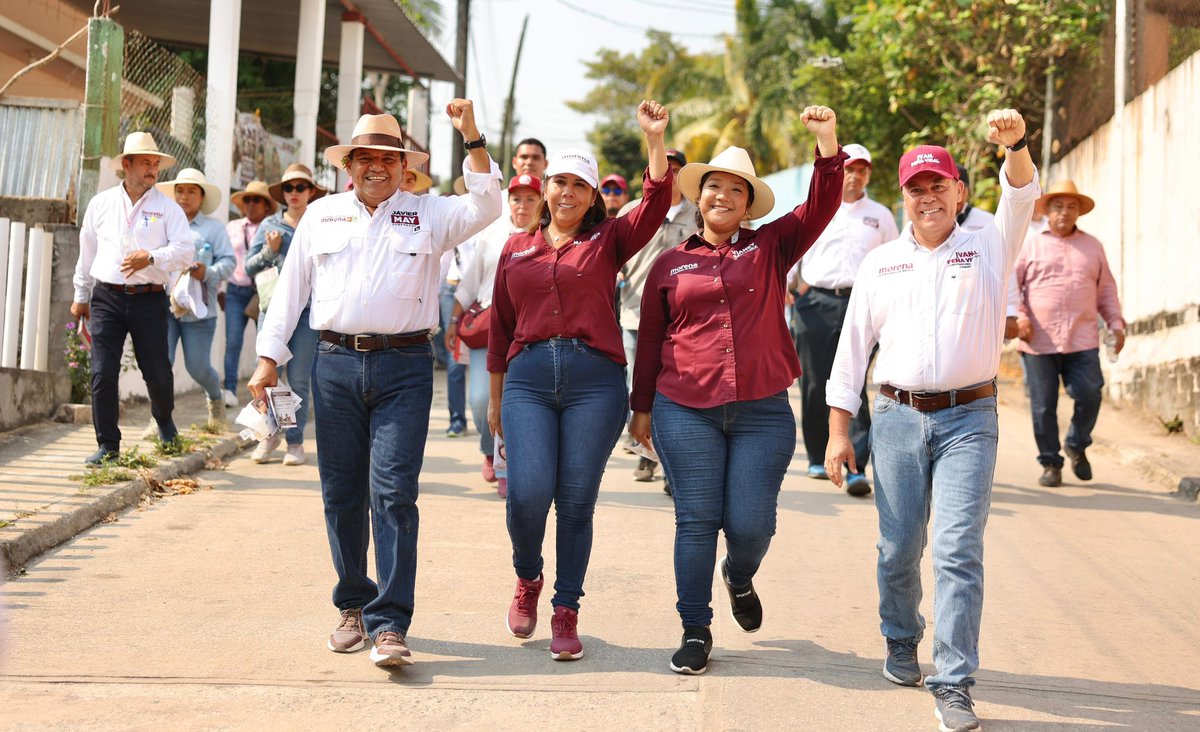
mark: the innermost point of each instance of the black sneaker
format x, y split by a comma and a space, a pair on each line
692, 656
954, 709
1051, 477
900, 666
100, 457
1079, 463
744, 604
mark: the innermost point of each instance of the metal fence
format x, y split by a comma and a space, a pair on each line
40, 142
163, 95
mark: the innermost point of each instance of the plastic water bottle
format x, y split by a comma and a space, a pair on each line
205, 255
1110, 346
500, 458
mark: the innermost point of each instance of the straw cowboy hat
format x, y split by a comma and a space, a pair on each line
141, 143
254, 188
375, 132
421, 182
1066, 188
732, 160
295, 171
191, 176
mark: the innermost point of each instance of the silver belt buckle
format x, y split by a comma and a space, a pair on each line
357, 347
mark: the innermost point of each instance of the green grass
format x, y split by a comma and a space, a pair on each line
5, 524
106, 474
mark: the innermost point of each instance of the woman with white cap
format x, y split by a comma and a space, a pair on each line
714, 363
295, 190
213, 264
557, 369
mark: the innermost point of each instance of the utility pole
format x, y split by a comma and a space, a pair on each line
102, 104
506, 136
458, 154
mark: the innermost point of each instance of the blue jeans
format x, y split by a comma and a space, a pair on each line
236, 299
940, 462
726, 465
456, 376
564, 408
297, 373
1081, 375
372, 413
480, 391
197, 337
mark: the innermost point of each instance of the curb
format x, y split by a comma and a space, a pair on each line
17, 552
1183, 486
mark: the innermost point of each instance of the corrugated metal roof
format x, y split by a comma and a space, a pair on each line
40, 144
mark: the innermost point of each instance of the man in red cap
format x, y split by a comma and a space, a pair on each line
934, 302
614, 189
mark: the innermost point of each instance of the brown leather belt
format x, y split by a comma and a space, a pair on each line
932, 401
375, 342
134, 289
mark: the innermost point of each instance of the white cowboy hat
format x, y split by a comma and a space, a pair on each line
375, 132
421, 182
254, 188
295, 171
191, 176
141, 143
732, 160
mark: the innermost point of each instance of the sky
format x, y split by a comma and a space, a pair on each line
562, 35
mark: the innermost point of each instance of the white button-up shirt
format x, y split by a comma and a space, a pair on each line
857, 228
114, 227
479, 275
975, 220
937, 315
371, 274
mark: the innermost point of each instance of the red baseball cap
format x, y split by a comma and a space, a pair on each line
614, 178
525, 181
927, 159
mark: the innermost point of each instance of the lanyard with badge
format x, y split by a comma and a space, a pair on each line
129, 243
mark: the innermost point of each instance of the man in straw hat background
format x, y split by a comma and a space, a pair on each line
369, 258
256, 204
934, 302
1065, 284
131, 239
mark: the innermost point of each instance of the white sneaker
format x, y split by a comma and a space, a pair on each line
151, 431
230, 398
294, 456
262, 453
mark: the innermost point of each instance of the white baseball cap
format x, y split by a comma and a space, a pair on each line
575, 162
857, 152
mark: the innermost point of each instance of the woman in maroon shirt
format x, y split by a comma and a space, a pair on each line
714, 362
557, 365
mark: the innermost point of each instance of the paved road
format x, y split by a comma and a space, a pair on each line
211, 610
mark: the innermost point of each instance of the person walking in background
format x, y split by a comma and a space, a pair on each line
614, 189
214, 262
827, 274
714, 364
295, 190
1065, 286
131, 239
934, 302
557, 369
256, 204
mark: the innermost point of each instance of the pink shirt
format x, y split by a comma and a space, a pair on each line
241, 234
1064, 283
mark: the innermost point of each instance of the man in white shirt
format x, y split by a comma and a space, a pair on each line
934, 301
827, 275
131, 239
973, 218
369, 259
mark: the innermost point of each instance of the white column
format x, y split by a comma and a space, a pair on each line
1117, 155
41, 352
12, 300
310, 47
224, 36
3, 274
418, 114
350, 64
33, 297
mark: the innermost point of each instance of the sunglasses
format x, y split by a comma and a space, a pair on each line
612, 190
297, 187
249, 200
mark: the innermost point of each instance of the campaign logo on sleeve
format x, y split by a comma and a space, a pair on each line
871, 221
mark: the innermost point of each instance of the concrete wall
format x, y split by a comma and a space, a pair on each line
26, 397
1150, 225
35, 211
53, 21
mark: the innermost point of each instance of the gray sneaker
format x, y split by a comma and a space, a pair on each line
350, 635
900, 666
954, 709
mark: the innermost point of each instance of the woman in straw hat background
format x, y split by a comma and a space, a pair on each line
214, 261
256, 204
555, 354
295, 189
714, 362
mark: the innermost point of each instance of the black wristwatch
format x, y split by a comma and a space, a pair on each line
1020, 144
481, 142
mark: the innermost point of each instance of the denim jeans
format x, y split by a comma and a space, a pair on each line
1081, 375
236, 299
456, 373
564, 407
726, 465
479, 391
940, 462
197, 337
372, 416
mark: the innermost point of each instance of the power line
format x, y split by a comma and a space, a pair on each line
631, 26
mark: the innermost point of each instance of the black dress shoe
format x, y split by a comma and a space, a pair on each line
1079, 463
1051, 477
99, 457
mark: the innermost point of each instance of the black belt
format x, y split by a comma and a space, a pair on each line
375, 342
836, 292
932, 401
134, 289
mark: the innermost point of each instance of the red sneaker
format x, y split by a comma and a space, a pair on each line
522, 614
502, 487
565, 645
489, 472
